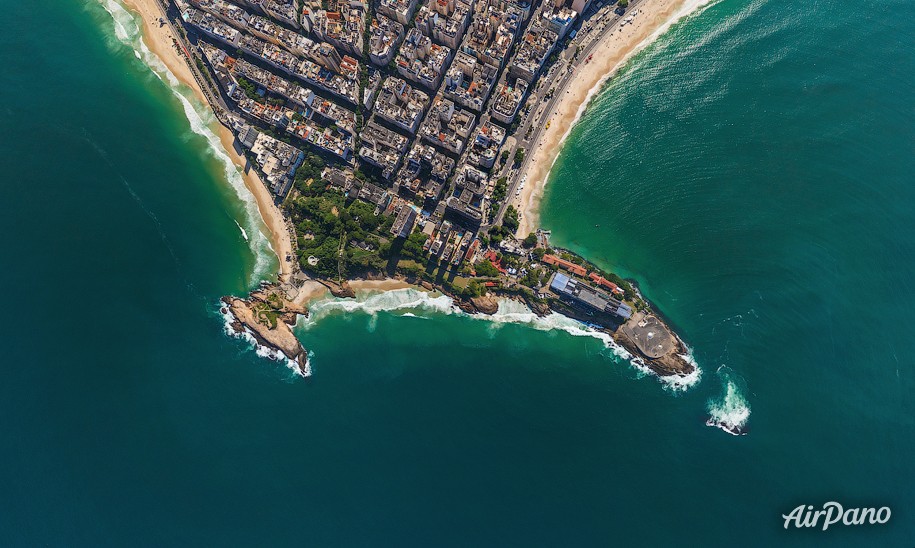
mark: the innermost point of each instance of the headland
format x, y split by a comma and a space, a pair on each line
396, 156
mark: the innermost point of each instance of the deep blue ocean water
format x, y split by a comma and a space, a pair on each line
752, 170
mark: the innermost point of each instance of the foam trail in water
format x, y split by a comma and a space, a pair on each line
414, 300
732, 411
127, 31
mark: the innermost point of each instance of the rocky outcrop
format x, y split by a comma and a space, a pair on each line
539, 308
342, 290
486, 305
465, 306
646, 336
267, 315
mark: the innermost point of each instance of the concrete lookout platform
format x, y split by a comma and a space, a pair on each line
649, 335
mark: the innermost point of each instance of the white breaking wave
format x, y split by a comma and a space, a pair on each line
244, 234
510, 312
412, 315
373, 303
261, 350
199, 117
128, 33
732, 412
684, 382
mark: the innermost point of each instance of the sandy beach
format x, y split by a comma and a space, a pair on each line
158, 38
312, 290
651, 19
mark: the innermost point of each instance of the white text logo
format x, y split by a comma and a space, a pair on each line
833, 513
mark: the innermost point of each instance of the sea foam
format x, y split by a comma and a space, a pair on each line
128, 33
264, 352
732, 411
409, 301
199, 117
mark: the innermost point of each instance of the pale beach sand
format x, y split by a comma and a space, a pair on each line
311, 290
651, 19
159, 40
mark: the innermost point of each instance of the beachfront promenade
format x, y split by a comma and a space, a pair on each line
545, 91
603, 21
383, 146
170, 16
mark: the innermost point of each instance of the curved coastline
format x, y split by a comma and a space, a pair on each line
614, 50
293, 291
159, 39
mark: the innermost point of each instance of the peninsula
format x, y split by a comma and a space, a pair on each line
405, 142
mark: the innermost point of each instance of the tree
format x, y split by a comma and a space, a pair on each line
250, 90
412, 270
511, 219
623, 4
519, 155
533, 278
413, 246
514, 126
485, 268
530, 240
511, 261
474, 289
498, 192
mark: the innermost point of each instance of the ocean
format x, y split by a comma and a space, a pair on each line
752, 171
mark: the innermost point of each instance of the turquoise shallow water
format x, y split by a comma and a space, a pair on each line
752, 171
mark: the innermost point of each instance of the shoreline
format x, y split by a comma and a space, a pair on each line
159, 41
677, 370
270, 311
613, 51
